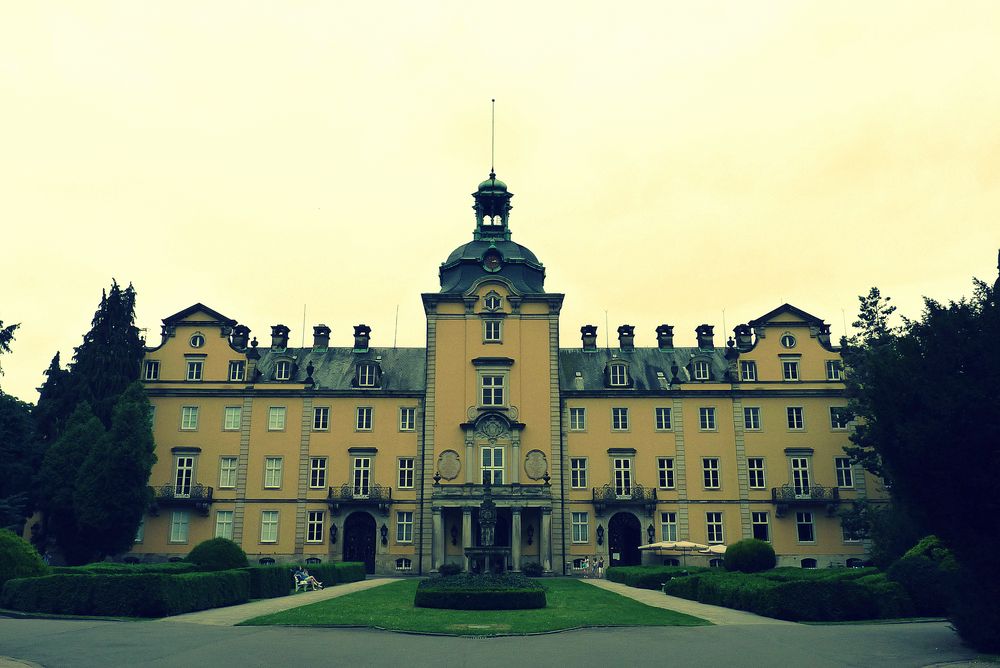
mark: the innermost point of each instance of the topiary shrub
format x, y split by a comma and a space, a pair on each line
927, 584
218, 554
533, 569
446, 570
750, 556
18, 559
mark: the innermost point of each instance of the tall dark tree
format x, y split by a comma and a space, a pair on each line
20, 454
56, 401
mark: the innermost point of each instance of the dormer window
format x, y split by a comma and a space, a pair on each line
701, 370
368, 374
283, 370
492, 302
618, 375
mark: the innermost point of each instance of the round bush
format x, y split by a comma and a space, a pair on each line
924, 580
18, 559
750, 556
533, 569
446, 570
218, 554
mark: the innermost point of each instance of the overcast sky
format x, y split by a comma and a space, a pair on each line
669, 160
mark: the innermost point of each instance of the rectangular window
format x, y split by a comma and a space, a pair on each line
366, 375
577, 419
581, 528
668, 526
850, 535
283, 370
838, 418
790, 369
232, 418
618, 375
363, 420
845, 475
179, 521
800, 477
224, 524
404, 526
623, 478
706, 419
269, 526
710, 472
276, 418
761, 527
317, 472
755, 468
272, 472
492, 386
834, 370
748, 371
665, 467
795, 418
662, 419
189, 418
492, 460
491, 331
619, 419
362, 477
195, 369
751, 418
701, 370
227, 472
804, 527
314, 526
407, 418
321, 418
405, 477
578, 472
151, 370
713, 522
237, 371
183, 476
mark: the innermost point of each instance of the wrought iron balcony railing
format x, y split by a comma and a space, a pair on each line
349, 494
804, 495
609, 495
196, 496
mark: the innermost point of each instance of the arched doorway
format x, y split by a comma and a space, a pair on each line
624, 536
359, 539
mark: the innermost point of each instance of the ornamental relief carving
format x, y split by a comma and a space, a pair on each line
535, 465
449, 464
492, 428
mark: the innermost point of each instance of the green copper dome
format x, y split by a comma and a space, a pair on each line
492, 184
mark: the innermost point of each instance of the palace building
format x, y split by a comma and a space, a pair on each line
383, 455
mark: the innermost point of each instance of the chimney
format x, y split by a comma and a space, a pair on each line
279, 336
626, 338
321, 337
589, 335
665, 336
241, 336
824, 334
362, 336
744, 337
705, 335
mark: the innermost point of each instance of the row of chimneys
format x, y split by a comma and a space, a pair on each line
665, 336
321, 336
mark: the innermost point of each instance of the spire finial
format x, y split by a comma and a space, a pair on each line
493, 131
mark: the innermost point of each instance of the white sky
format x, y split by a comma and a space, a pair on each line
668, 160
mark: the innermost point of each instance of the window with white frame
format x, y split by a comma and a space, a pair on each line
314, 526
845, 474
665, 470
800, 477
189, 418
317, 472
795, 418
272, 472
179, 522
701, 370
269, 526
492, 389
668, 526
492, 301
197, 340
623, 477
404, 564
577, 419
760, 525
362, 477
850, 534
405, 478
713, 522
224, 524
751, 418
706, 418
755, 470
492, 331
237, 371
404, 526
581, 528
662, 418
787, 340
231, 418
618, 375
790, 369
282, 370
838, 418
578, 472
363, 418
227, 472
407, 418
710, 472
834, 370
183, 476
195, 369
619, 419
151, 370
748, 370
804, 528
367, 376
276, 418
491, 458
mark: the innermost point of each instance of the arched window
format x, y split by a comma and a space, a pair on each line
670, 561
715, 563
266, 561
314, 560
855, 563
808, 563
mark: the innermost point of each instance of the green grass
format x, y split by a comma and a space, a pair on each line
571, 604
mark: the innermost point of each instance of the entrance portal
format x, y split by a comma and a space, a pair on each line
359, 539
624, 536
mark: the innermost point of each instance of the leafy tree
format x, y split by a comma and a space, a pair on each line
20, 454
6, 336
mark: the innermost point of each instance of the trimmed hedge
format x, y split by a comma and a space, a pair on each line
447, 570
480, 592
18, 559
650, 577
217, 554
533, 569
750, 556
277, 580
928, 584
109, 568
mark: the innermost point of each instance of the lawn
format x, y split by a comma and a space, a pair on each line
571, 604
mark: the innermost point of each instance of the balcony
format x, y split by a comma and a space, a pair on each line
195, 496
351, 495
609, 496
788, 496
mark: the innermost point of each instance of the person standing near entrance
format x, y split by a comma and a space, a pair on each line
600, 568
593, 567
586, 567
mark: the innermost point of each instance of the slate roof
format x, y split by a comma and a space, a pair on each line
334, 368
643, 365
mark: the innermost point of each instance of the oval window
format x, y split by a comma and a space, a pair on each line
787, 340
197, 341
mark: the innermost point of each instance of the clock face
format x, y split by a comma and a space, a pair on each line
491, 262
